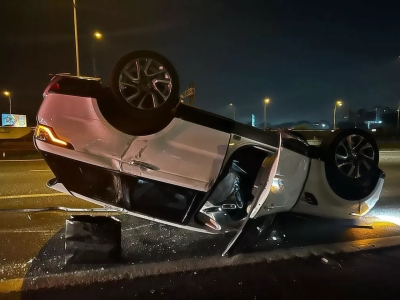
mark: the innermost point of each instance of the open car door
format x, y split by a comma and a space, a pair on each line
277, 188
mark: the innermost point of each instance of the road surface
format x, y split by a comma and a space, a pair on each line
31, 254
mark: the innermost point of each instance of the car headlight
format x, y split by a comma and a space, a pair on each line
277, 185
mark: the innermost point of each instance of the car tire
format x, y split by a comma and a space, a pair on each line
351, 159
145, 89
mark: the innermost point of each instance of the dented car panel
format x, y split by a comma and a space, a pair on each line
85, 128
183, 153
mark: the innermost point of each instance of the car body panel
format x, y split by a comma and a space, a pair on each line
369, 202
261, 189
329, 204
277, 189
287, 184
84, 128
94, 159
262, 185
183, 153
61, 188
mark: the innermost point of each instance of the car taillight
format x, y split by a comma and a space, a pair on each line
53, 86
46, 134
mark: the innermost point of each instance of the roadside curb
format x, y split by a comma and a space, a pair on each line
129, 272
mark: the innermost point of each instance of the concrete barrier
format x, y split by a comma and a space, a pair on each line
12, 133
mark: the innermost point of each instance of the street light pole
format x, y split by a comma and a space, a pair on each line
334, 118
76, 39
266, 101
97, 36
337, 103
94, 57
398, 112
8, 94
234, 111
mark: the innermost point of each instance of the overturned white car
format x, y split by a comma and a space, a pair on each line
135, 147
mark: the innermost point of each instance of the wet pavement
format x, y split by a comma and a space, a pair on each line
363, 275
32, 244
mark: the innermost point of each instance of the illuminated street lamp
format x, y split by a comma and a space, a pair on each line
8, 94
337, 103
266, 101
234, 110
97, 36
76, 38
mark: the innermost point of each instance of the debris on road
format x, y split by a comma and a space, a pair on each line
331, 262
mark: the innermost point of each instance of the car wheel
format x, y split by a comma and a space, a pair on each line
145, 87
351, 159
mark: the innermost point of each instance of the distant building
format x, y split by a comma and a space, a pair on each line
379, 116
343, 115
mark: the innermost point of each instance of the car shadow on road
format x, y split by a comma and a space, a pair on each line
148, 242
295, 230
142, 242
308, 278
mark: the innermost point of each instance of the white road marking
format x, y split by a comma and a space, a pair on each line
32, 196
20, 160
390, 151
39, 170
19, 231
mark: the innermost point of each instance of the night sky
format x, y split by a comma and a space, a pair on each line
303, 55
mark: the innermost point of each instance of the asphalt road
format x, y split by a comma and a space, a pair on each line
31, 253
363, 275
